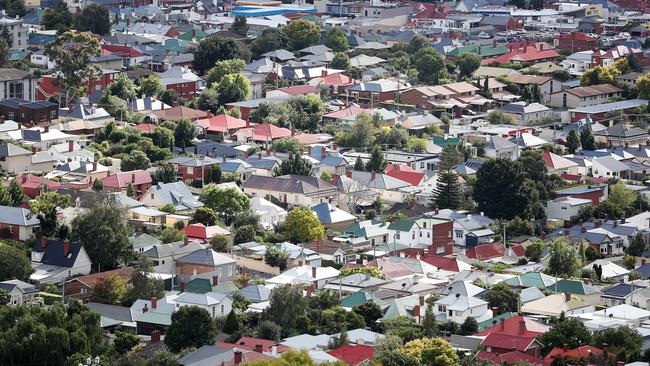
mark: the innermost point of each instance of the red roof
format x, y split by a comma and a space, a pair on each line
119, 50
525, 51
486, 251
510, 357
222, 123
519, 250
353, 354
145, 127
32, 182
405, 173
249, 343
578, 36
571, 177
510, 342
576, 353
267, 131
448, 264
337, 79
122, 180
91, 279
514, 327
344, 112
49, 85
299, 89
200, 231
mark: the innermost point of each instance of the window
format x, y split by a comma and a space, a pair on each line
229, 271
459, 234
413, 235
451, 313
16, 90
219, 272
214, 310
222, 310
152, 196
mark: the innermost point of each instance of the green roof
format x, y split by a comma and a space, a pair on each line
152, 317
357, 231
401, 225
355, 299
18, 54
198, 286
225, 287
486, 50
143, 240
494, 321
188, 36
443, 141
106, 322
531, 279
574, 287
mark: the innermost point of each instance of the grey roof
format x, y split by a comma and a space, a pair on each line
358, 280
8, 150
611, 164
379, 181
178, 195
316, 50
620, 130
614, 106
206, 257
290, 183
207, 356
498, 143
17, 216
13, 74
143, 240
10, 285
255, 293
172, 249
206, 299
53, 253
112, 311
281, 54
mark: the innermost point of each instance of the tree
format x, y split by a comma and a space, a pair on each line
226, 201
94, 18
498, 190
448, 193
497, 117
587, 140
269, 39
267, 329
623, 342
169, 97
621, 197
223, 68
449, 157
570, 333
220, 243
430, 352
366, 270
136, 160
359, 165
108, 289
302, 33
294, 165
337, 41
534, 251
130, 191
643, 85
143, 285
562, 260
286, 144
184, 133
165, 173
4, 53
572, 142
45, 208
340, 61
213, 49
244, 234
124, 342
103, 233
171, 235
13, 8
234, 88
168, 208
502, 296
469, 326
123, 87
239, 26
599, 75
370, 312
301, 226
58, 18
232, 323
467, 64
637, 246
286, 304
276, 257
430, 65
191, 327
150, 86
71, 55
98, 185
14, 264
377, 161
205, 216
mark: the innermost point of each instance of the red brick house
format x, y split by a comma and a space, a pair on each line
514, 334
33, 185
576, 42
49, 86
119, 182
81, 287
182, 80
521, 52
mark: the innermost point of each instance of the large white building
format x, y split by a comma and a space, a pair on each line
16, 30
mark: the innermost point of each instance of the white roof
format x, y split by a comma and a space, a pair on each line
307, 341
609, 269
303, 275
624, 311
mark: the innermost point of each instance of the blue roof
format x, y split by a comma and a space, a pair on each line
619, 290
643, 270
209, 148
178, 195
53, 253
262, 11
582, 189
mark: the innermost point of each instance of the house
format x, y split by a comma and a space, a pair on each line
18, 84
555, 305
575, 42
608, 167
176, 194
547, 85
609, 269
557, 164
502, 22
203, 234
221, 126
269, 214
20, 293
17, 223
216, 304
597, 193
372, 93
15, 159
353, 355
177, 113
566, 208
146, 104
527, 114
55, 260
499, 147
600, 112
291, 91
139, 180
205, 263
585, 353
463, 224
405, 173
163, 255
152, 316
28, 113
622, 135
525, 52
263, 133
460, 302
621, 293
296, 190
332, 217
81, 288
388, 188
305, 275
584, 96
142, 242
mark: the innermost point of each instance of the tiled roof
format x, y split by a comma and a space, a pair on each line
510, 342
486, 251
122, 179
405, 173
513, 326
353, 354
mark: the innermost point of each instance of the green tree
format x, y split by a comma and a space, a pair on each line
467, 64
295, 165
377, 161
234, 88
502, 296
244, 234
191, 327
366, 270
45, 208
226, 201
14, 264
301, 226
267, 329
220, 243
430, 65
293, 358
469, 326
286, 144
205, 216
362, 133
534, 251
370, 312
123, 87
621, 197
98, 185
213, 49
239, 26
13, 8
448, 193
232, 325
168, 207
562, 260
108, 289
103, 232
429, 323
184, 133
623, 342
449, 157
165, 173
71, 54
94, 18
430, 352
269, 39
136, 160
223, 68
130, 191
637, 246
58, 18
124, 342
275, 257
572, 142
4, 53
170, 97
498, 190
150, 86
170, 235
302, 33
587, 140
341, 61
286, 304
497, 117
570, 333
643, 85
359, 165
337, 41
143, 285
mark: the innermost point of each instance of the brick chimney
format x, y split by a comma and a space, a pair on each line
323, 153
348, 174
66, 247
259, 348
335, 178
309, 290
182, 286
503, 324
154, 303
155, 336
238, 356
43, 242
421, 300
186, 240
268, 152
567, 296
372, 175
416, 311
215, 280
643, 261
70, 146
245, 155
46, 128
94, 166
522, 326
313, 272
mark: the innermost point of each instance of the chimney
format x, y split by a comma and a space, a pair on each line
145, 309
348, 174
259, 348
186, 240
522, 326
154, 302
598, 223
293, 132
238, 356
66, 247
421, 300
323, 73
416, 311
155, 336
495, 311
133, 178
138, 231
566, 232
503, 324
259, 156
268, 152
334, 179
323, 153
182, 286
94, 166
583, 229
215, 280
70, 146
567, 296
43, 242
309, 291
46, 128
643, 261
372, 175
313, 272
